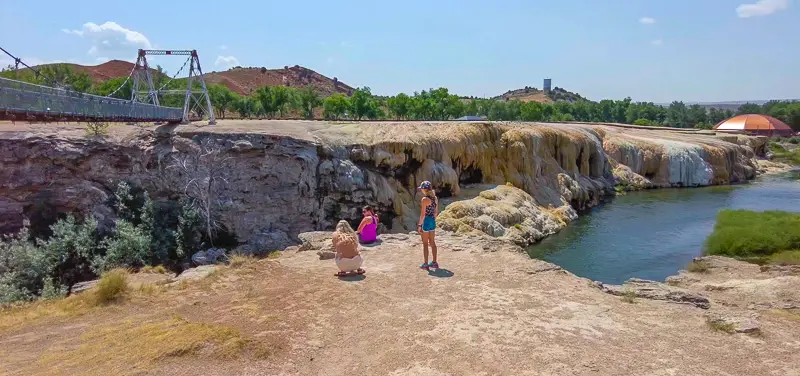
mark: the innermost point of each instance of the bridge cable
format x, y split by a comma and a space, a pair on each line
18, 61
175, 75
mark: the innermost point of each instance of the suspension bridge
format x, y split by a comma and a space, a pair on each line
23, 101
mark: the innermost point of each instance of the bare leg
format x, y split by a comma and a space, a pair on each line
432, 241
425, 246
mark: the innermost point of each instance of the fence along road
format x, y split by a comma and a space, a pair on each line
24, 101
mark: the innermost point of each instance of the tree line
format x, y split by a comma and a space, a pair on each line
432, 104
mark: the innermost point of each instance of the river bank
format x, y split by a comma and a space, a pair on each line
652, 234
489, 310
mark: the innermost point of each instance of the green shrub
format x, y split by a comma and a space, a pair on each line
745, 233
22, 268
52, 291
129, 246
785, 258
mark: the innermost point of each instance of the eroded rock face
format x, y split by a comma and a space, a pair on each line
285, 178
506, 212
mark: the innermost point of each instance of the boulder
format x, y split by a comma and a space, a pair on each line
657, 291
735, 323
195, 274
209, 256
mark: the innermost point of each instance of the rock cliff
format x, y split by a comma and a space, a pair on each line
285, 178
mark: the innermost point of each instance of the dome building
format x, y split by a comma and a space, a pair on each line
754, 124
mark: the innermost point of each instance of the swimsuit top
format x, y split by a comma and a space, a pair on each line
430, 210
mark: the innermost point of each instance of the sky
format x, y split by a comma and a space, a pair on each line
649, 50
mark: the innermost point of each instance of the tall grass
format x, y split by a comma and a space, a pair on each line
745, 233
783, 155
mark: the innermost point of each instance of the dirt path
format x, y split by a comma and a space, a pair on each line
489, 311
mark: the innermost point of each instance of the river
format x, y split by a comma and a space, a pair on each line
653, 234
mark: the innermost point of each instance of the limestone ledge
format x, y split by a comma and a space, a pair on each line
288, 177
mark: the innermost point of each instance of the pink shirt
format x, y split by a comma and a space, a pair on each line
370, 232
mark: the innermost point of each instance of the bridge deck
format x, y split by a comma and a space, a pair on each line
25, 101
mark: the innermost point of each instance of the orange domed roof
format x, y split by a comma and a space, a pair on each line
752, 122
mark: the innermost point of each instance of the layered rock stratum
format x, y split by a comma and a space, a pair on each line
283, 178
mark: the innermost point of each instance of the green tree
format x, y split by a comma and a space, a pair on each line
399, 106
222, 99
281, 96
335, 106
532, 111
677, 115
266, 98
108, 87
245, 106
360, 102
697, 115
748, 108
307, 100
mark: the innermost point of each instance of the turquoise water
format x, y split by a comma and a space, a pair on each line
653, 234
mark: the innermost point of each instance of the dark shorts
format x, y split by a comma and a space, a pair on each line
428, 224
363, 242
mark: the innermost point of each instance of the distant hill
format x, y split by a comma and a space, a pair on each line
732, 105
238, 79
103, 72
246, 80
532, 94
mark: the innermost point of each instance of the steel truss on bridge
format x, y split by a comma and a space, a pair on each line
30, 102
195, 100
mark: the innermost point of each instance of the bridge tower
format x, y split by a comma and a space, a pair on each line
194, 99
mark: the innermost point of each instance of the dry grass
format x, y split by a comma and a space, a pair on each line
558, 214
132, 346
238, 261
629, 296
720, 326
698, 266
158, 269
112, 287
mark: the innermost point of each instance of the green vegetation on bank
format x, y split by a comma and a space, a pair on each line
46, 263
783, 154
432, 104
769, 236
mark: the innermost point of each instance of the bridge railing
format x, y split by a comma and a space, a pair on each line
26, 98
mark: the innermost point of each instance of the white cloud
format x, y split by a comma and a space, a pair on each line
227, 62
223, 47
761, 8
111, 39
647, 20
657, 42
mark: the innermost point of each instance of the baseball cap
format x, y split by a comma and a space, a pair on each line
425, 185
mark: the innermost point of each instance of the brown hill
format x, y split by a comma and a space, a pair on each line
238, 79
246, 80
532, 94
103, 72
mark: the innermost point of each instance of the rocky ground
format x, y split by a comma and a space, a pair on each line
490, 310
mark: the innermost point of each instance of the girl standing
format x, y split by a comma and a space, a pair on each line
426, 225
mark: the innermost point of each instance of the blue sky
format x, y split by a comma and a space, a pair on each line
653, 50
